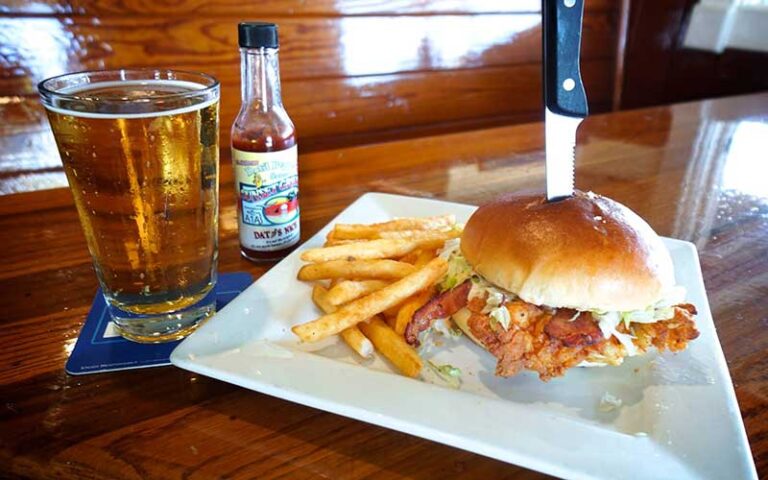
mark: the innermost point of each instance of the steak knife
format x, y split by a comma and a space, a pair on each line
565, 103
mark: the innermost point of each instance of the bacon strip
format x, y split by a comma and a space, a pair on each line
440, 306
581, 331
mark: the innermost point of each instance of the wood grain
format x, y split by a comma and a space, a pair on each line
331, 112
688, 169
311, 48
405, 100
347, 79
285, 8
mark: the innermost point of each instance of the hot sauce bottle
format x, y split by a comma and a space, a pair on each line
264, 151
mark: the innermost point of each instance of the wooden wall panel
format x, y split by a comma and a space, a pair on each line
402, 101
310, 47
326, 108
282, 8
353, 71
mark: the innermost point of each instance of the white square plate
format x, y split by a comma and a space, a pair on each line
678, 418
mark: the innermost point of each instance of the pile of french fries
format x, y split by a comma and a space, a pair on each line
369, 281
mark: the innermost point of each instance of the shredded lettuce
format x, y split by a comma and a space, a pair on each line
608, 321
609, 402
447, 373
639, 316
494, 300
662, 310
501, 316
650, 315
494, 297
444, 327
458, 271
449, 248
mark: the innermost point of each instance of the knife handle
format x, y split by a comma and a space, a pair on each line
561, 40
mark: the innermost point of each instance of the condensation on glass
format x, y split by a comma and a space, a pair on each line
140, 150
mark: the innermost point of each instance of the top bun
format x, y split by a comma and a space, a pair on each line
585, 252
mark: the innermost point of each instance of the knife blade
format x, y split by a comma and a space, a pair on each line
565, 102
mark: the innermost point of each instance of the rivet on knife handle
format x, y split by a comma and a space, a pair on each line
564, 99
563, 89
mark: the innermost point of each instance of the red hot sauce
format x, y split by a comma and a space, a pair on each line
264, 152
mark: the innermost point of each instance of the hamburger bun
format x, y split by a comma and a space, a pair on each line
461, 319
585, 252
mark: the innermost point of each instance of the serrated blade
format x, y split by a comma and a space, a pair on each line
560, 151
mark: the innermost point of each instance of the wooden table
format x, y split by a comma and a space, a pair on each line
695, 171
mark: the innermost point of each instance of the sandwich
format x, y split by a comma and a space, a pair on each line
548, 286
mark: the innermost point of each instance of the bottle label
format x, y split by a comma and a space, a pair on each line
268, 196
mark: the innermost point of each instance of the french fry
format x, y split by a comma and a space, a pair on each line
319, 296
357, 341
391, 312
392, 346
370, 250
356, 270
405, 314
348, 290
373, 304
347, 231
333, 242
352, 335
421, 234
425, 256
410, 257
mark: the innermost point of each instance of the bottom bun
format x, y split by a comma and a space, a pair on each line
461, 318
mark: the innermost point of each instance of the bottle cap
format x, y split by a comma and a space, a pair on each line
257, 35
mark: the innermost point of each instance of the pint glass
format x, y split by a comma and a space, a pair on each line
140, 149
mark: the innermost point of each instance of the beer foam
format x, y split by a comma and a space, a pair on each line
188, 86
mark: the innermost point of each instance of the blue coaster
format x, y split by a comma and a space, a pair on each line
100, 348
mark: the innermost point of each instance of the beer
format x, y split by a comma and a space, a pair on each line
146, 189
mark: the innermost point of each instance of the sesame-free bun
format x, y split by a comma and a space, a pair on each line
586, 252
461, 319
